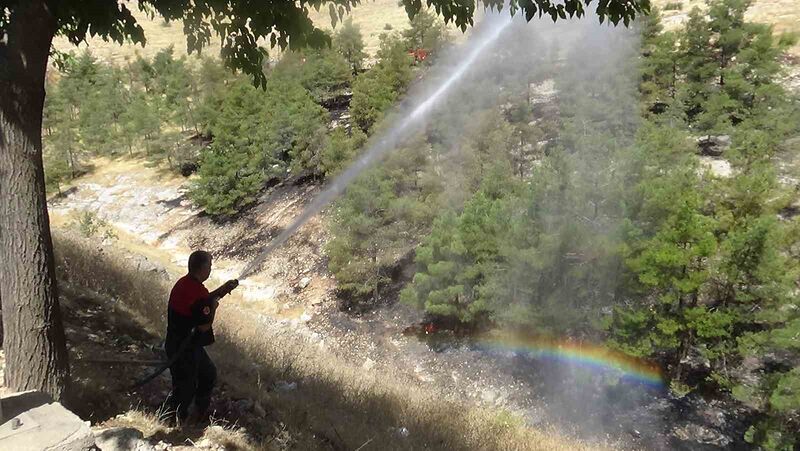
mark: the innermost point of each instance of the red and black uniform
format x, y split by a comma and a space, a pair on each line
193, 373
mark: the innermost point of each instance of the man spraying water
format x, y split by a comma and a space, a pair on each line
190, 317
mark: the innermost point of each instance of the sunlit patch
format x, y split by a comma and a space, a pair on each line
594, 357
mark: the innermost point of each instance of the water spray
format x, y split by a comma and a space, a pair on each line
495, 26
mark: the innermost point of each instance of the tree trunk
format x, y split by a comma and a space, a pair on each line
34, 342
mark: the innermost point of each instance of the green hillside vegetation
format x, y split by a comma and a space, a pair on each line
598, 222
619, 234
163, 108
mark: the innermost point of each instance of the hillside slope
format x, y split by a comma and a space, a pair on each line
271, 347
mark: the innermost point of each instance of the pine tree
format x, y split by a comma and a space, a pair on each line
426, 32
455, 258
377, 89
378, 222
350, 44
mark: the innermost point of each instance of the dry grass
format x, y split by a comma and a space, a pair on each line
230, 437
335, 404
372, 16
145, 422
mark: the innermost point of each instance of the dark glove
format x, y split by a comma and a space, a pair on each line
230, 286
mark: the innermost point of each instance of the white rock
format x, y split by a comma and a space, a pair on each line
285, 386
489, 396
304, 282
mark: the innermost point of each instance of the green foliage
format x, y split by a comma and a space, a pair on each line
90, 225
374, 225
377, 89
350, 44
324, 73
226, 181
455, 258
57, 171
715, 267
257, 135
341, 148
426, 32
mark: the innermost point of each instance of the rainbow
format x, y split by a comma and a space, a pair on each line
594, 357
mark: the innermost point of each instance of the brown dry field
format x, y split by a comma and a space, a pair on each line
784, 15
371, 16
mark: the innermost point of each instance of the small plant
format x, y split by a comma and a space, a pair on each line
89, 224
388, 27
673, 6
680, 389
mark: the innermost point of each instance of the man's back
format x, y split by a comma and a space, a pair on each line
184, 295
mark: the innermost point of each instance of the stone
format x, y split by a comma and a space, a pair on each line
489, 396
712, 145
285, 386
122, 439
699, 434
304, 282
188, 168
38, 424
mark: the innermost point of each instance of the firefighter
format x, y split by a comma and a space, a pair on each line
190, 315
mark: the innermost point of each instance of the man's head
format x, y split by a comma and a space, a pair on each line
200, 265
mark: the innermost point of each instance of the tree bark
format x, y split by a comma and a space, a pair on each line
34, 342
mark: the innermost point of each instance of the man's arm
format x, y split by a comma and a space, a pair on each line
224, 289
204, 310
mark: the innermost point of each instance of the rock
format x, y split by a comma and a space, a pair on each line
368, 364
402, 432
489, 396
188, 168
35, 424
714, 416
713, 146
717, 166
122, 439
544, 92
699, 434
304, 282
285, 386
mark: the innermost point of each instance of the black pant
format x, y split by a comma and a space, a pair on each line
193, 378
